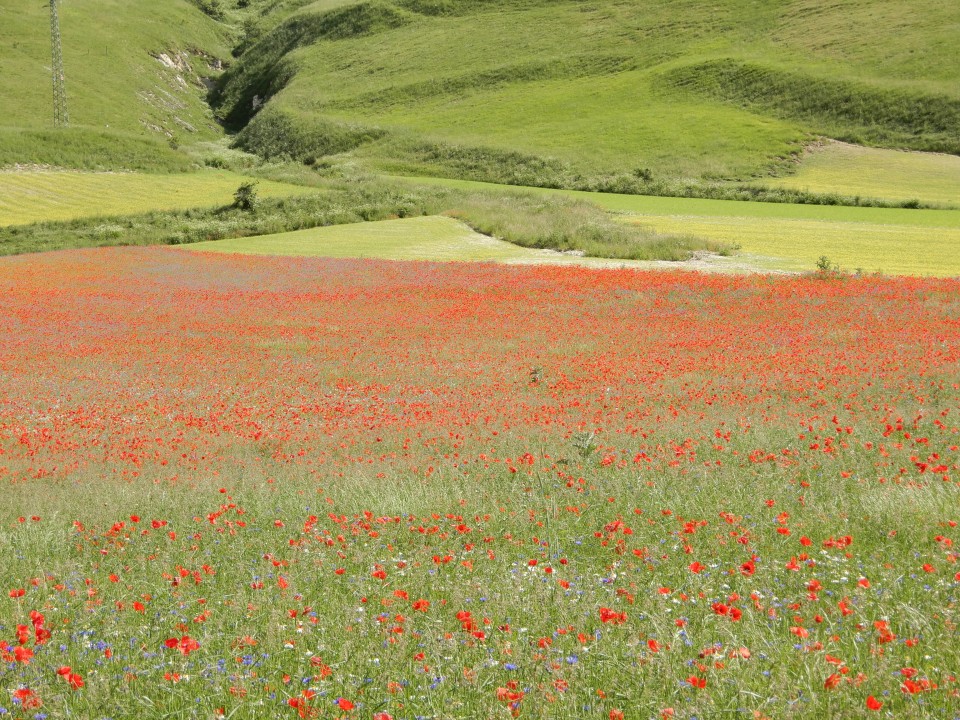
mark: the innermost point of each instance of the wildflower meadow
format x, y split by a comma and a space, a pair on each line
249, 487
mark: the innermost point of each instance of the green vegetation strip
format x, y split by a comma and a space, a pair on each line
855, 111
530, 220
644, 204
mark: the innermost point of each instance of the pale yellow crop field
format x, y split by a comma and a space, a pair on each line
871, 172
797, 244
36, 196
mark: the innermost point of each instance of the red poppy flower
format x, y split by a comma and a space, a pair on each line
185, 644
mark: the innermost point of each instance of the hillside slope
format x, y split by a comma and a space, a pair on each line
135, 72
558, 92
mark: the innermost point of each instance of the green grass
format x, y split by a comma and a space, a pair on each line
28, 197
583, 96
871, 172
654, 205
627, 129
658, 97
85, 148
871, 113
417, 87
115, 85
775, 236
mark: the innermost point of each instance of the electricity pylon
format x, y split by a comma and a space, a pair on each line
60, 117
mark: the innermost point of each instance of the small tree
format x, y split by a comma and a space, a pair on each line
245, 198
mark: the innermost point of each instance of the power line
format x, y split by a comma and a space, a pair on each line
60, 116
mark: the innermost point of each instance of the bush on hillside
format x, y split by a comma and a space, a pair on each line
245, 197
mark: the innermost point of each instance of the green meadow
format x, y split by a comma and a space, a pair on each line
537, 222
422, 238
433, 238
660, 98
853, 247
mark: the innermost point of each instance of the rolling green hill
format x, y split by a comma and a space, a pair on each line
135, 72
563, 92
682, 97
587, 94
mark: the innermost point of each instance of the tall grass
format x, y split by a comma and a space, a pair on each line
511, 167
536, 221
278, 134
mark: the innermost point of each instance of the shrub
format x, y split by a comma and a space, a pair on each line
245, 198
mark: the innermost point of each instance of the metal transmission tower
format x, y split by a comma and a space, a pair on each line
60, 117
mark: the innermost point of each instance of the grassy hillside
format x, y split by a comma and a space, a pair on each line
135, 73
551, 93
605, 95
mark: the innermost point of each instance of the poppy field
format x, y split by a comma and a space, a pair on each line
239, 486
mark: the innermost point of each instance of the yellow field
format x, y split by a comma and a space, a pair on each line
27, 197
421, 238
870, 172
795, 244
432, 238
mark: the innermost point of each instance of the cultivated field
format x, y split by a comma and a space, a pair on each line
27, 197
241, 486
781, 236
423, 238
438, 239
770, 236
789, 244
872, 172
